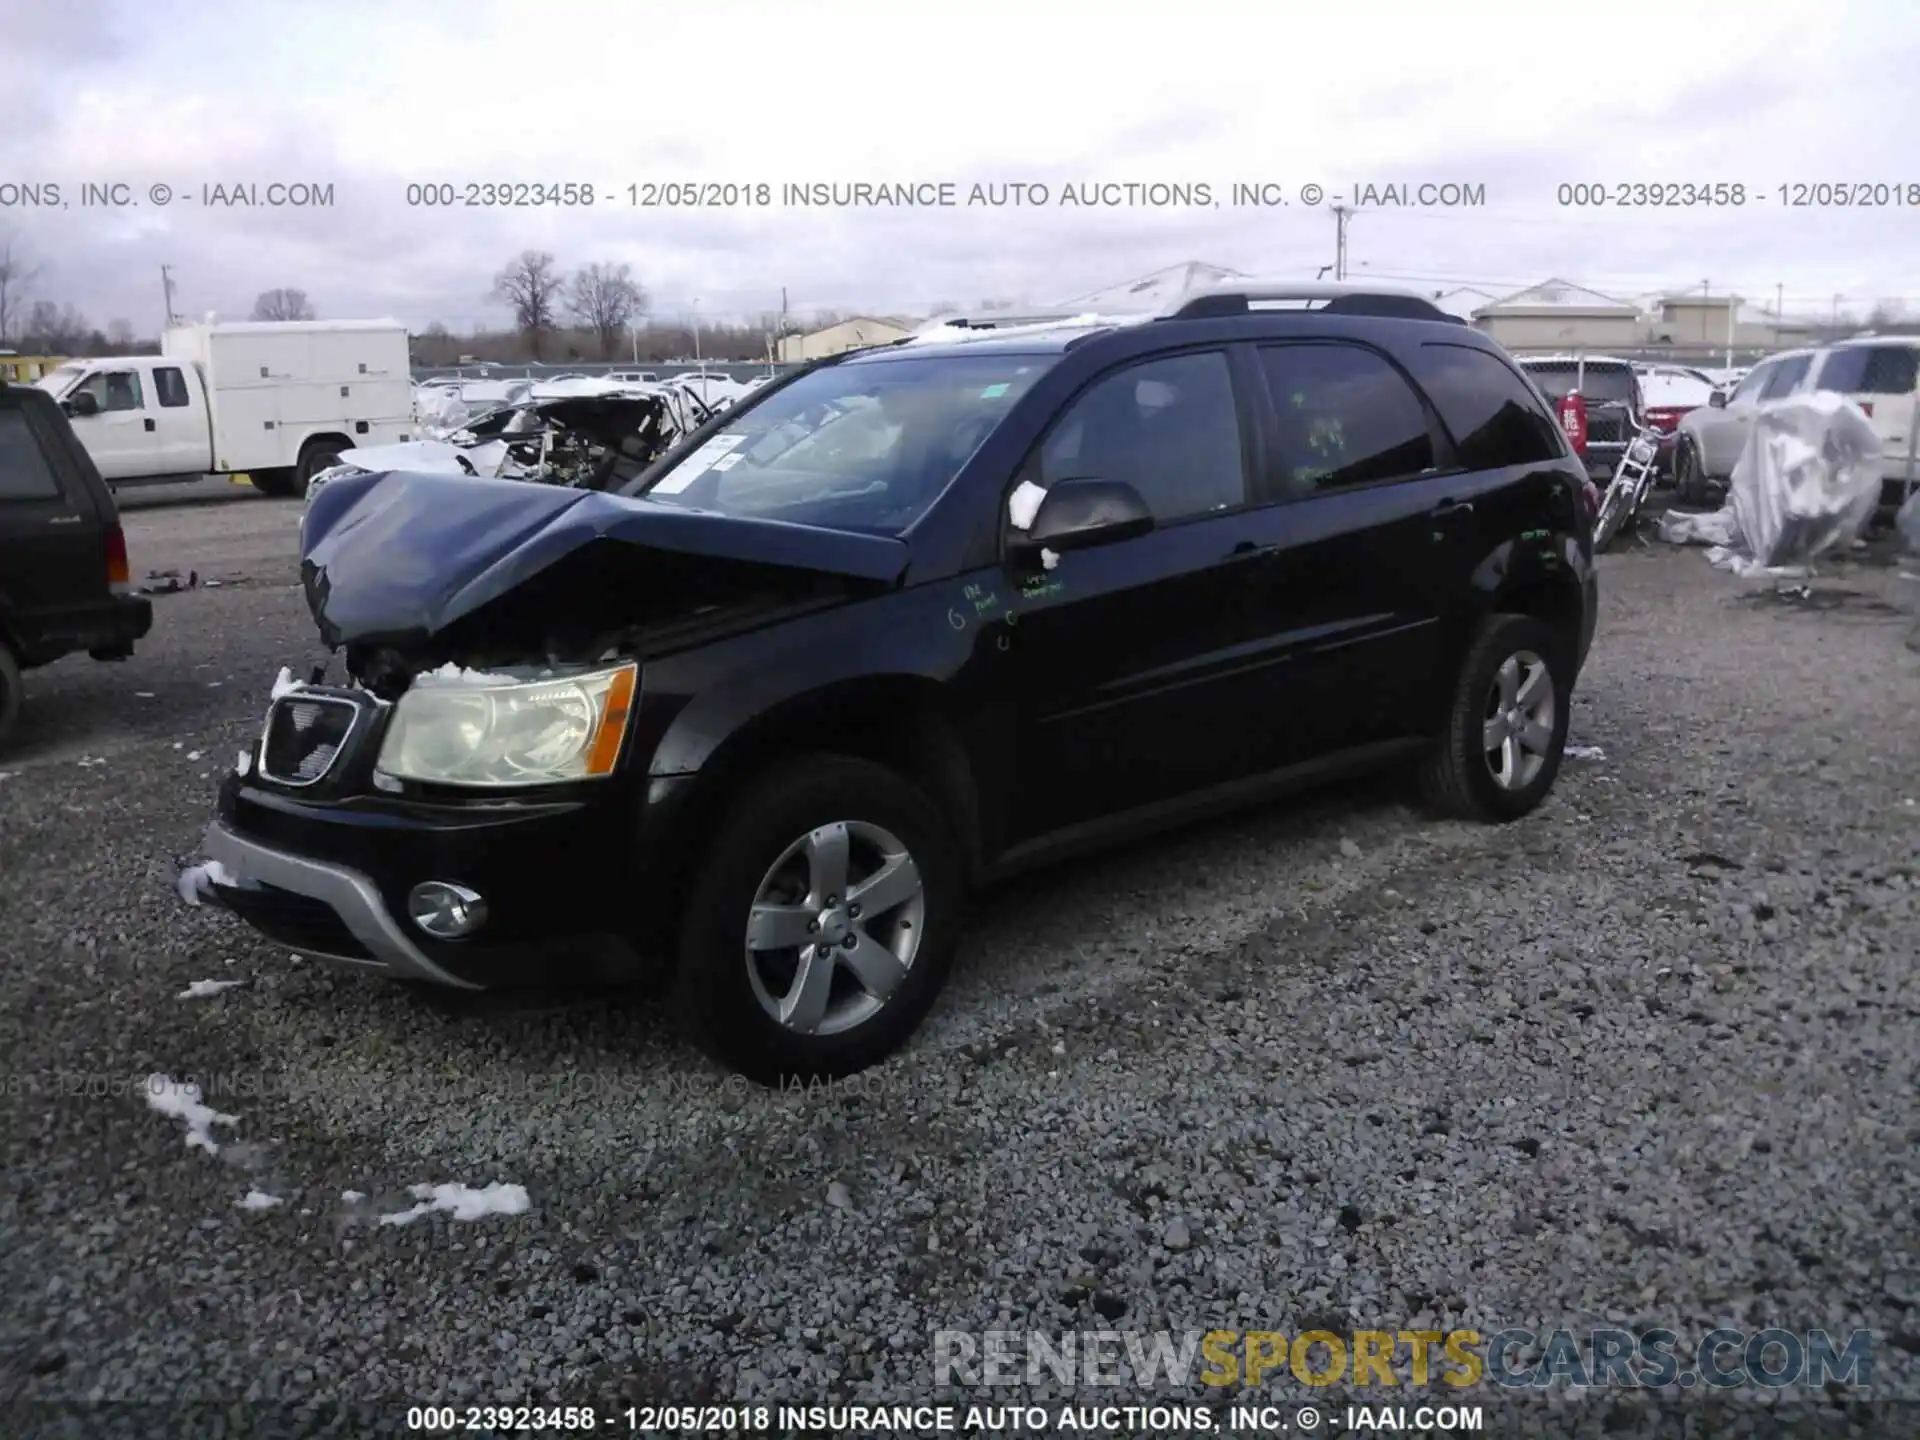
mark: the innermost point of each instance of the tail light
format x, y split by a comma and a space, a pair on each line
1663, 418
119, 576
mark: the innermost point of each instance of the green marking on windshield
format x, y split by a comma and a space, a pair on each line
994, 392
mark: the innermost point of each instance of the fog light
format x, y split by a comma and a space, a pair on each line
446, 911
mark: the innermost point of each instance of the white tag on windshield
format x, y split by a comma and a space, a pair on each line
698, 463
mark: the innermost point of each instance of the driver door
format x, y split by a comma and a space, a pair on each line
1128, 662
119, 434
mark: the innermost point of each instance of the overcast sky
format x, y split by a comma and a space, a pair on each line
1520, 98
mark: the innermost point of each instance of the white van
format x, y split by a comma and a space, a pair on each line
1881, 374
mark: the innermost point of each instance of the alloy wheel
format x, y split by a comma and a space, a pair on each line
835, 926
1517, 732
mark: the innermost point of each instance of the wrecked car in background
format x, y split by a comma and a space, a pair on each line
595, 440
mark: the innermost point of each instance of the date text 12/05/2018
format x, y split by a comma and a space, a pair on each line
1723, 194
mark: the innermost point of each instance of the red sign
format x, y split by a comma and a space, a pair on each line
1573, 420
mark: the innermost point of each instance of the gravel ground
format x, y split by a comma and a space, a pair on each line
1646, 1058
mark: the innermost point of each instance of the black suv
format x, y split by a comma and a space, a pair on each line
63, 556
907, 620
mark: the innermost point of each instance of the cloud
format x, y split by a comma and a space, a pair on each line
730, 96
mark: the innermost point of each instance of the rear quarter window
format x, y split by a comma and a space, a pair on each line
1496, 418
24, 472
1872, 370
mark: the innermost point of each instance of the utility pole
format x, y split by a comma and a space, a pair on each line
1340, 214
782, 341
166, 286
1836, 310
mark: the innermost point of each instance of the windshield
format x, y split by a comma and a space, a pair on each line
60, 379
860, 446
1601, 384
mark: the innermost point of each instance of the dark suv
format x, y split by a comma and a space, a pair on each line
63, 556
903, 622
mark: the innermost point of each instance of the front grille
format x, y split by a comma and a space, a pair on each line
305, 734
297, 921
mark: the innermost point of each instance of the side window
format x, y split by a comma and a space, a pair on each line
1495, 416
1167, 427
172, 387
24, 472
1749, 389
1786, 375
1345, 417
113, 390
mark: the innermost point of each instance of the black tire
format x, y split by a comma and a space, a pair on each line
277, 483
11, 691
1689, 484
1457, 779
714, 989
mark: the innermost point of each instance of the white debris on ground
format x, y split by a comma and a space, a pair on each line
259, 1200
196, 877
1024, 504
462, 1202
194, 754
243, 762
451, 674
283, 683
200, 989
88, 762
1584, 752
353, 1197
1048, 559
182, 1102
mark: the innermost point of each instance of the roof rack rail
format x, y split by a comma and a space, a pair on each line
1234, 297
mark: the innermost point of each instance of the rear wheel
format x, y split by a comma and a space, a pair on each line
821, 929
11, 691
1507, 725
277, 483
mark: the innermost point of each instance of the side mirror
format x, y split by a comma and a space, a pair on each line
84, 403
1079, 514
1717, 400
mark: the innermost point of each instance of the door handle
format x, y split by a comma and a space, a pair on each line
1452, 509
1247, 550
148, 422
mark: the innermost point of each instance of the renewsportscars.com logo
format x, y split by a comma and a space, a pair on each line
1511, 1359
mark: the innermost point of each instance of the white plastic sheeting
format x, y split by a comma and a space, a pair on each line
1805, 485
1907, 522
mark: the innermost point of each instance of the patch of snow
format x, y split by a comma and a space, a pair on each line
182, 1102
353, 1197
451, 674
1024, 504
1584, 752
199, 989
87, 762
259, 1200
193, 754
462, 1202
195, 876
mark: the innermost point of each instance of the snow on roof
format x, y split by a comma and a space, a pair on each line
1151, 291
1561, 295
951, 332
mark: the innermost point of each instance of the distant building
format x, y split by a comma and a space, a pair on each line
1463, 300
1560, 315
1718, 320
853, 334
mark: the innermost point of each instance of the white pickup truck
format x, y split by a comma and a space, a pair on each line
276, 402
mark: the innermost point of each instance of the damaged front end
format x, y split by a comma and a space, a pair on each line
595, 441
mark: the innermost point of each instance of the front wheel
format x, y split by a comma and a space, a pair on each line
1615, 510
1689, 484
821, 929
1507, 725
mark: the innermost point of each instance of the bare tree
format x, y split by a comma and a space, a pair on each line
16, 275
282, 305
55, 329
530, 287
605, 300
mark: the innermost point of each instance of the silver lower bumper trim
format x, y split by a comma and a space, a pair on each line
351, 896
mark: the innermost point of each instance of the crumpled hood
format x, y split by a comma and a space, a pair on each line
396, 557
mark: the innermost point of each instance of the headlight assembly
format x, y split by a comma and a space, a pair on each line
460, 728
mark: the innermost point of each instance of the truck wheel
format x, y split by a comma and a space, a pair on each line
11, 691
1507, 725
820, 930
319, 455
277, 483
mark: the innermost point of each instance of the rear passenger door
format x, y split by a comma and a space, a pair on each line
1127, 662
1351, 581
